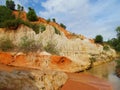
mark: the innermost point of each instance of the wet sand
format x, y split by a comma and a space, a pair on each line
85, 82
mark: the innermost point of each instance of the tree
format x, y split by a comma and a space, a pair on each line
99, 39
54, 20
22, 8
10, 4
118, 32
62, 25
18, 7
7, 15
115, 42
31, 15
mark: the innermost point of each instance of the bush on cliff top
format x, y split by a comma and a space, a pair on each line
13, 24
99, 39
31, 15
7, 15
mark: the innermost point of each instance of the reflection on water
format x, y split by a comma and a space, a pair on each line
107, 71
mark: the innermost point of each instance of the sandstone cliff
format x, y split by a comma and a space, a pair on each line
77, 53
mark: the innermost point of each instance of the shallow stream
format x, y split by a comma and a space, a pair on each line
107, 71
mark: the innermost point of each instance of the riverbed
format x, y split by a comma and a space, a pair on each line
106, 71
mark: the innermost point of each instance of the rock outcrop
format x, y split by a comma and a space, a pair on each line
39, 61
32, 80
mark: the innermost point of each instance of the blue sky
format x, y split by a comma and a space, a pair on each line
86, 17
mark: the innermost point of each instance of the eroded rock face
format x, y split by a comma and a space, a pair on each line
32, 80
40, 61
78, 51
5, 58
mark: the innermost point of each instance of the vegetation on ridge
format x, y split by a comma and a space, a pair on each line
7, 15
10, 4
115, 42
99, 39
31, 15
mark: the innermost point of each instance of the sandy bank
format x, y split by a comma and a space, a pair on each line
85, 82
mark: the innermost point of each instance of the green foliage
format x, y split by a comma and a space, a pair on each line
106, 48
62, 25
35, 28
42, 28
115, 42
99, 39
10, 4
19, 7
7, 15
54, 20
57, 31
118, 32
22, 8
50, 47
26, 44
6, 44
117, 48
31, 15
13, 24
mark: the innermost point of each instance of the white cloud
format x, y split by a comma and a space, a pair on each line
82, 16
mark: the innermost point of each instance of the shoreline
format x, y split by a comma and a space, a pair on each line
85, 81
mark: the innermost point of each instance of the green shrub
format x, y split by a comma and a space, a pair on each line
57, 31
50, 47
13, 24
35, 28
62, 25
5, 14
54, 20
10, 4
31, 15
6, 44
42, 28
106, 48
28, 45
99, 39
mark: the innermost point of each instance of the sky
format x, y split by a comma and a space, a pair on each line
86, 17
